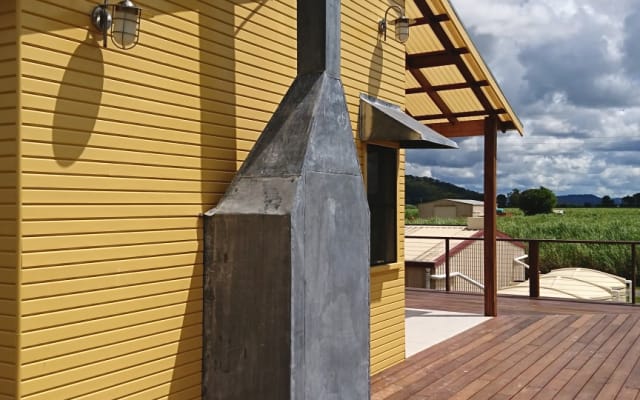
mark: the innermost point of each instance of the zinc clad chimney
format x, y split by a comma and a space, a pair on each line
286, 287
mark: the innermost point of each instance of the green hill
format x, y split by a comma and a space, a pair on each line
423, 189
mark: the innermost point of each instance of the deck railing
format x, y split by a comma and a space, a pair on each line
465, 266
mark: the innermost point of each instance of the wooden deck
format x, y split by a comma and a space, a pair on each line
534, 349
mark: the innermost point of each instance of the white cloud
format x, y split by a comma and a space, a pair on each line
571, 70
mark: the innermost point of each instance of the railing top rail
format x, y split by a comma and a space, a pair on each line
575, 241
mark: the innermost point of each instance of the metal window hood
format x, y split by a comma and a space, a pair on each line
379, 120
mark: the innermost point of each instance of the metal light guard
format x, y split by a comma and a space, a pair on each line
123, 19
125, 29
402, 24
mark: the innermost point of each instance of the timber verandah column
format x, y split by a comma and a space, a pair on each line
490, 263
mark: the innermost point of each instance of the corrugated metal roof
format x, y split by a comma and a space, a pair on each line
449, 86
429, 250
469, 202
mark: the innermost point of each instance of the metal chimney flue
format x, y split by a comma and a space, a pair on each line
286, 280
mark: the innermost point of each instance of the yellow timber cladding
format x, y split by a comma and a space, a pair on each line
9, 236
120, 153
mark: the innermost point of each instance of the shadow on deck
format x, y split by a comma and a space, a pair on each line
534, 349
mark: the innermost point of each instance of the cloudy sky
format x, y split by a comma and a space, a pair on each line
571, 71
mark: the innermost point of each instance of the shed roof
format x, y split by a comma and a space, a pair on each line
429, 250
421, 250
449, 86
469, 202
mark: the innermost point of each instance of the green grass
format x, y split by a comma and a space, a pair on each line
605, 224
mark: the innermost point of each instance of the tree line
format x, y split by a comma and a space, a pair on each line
543, 200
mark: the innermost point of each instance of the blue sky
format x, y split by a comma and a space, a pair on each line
571, 71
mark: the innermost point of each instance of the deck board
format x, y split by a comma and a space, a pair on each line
535, 349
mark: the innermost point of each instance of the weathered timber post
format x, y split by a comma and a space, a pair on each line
490, 232
534, 269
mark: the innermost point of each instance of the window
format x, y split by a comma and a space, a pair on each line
382, 169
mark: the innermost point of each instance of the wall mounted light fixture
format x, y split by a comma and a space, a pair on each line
123, 19
402, 25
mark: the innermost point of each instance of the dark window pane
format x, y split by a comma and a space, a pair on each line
382, 167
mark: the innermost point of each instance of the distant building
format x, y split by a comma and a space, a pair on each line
425, 258
451, 208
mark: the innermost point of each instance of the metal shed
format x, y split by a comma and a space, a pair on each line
425, 259
451, 208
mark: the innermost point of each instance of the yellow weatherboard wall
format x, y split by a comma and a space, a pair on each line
9, 234
376, 67
120, 153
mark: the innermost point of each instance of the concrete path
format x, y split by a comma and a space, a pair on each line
424, 328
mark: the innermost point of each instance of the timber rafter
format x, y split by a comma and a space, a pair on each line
449, 56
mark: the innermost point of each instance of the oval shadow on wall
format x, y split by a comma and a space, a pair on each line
77, 103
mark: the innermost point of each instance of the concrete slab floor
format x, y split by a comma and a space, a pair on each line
425, 328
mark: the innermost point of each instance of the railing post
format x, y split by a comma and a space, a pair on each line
447, 267
534, 268
634, 272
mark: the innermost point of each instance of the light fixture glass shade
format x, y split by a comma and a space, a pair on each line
402, 29
126, 22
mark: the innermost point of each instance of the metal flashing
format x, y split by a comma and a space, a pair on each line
382, 121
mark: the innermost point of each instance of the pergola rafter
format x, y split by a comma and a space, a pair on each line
452, 91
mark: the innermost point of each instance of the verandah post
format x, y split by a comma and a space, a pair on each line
490, 233
534, 268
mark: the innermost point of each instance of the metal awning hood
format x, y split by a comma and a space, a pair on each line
382, 121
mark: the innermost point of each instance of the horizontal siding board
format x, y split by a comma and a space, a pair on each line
388, 350
8, 145
8, 164
7, 116
71, 324
395, 302
81, 183
85, 114
104, 353
7, 68
8, 84
8, 51
98, 226
150, 89
55, 212
8, 323
172, 380
392, 343
7, 339
105, 268
31, 149
40, 290
110, 337
7, 354
381, 365
8, 262
7, 389
210, 134
8, 291
123, 170
8, 244
44, 89
389, 319
382, 329
79, 381
112, 197
178, 79
7, 196
103, 296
